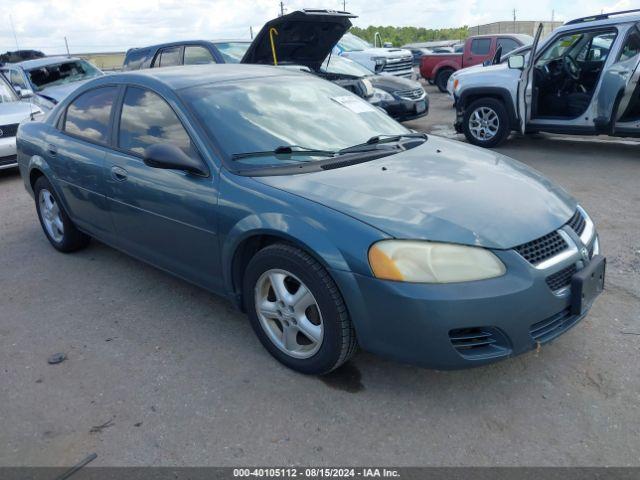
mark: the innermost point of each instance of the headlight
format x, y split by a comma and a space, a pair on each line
431, 262
382, 96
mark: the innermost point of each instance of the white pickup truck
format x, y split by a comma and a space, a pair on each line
383, 61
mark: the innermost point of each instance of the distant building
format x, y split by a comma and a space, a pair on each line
523, 27
105, 60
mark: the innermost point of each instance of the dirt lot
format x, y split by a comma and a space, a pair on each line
160, 372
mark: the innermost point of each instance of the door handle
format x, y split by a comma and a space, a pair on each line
52, 149
118, 174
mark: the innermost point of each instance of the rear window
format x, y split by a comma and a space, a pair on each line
481, 46
88, 115
135, 59
232, 52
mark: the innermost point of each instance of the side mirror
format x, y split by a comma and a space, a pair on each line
170, 157
25, 93
516, 62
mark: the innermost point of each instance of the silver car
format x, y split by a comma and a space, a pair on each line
12, 112
582, 79
48, 80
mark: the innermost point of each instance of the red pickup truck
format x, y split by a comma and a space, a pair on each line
438, 67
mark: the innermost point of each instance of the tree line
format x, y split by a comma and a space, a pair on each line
402, 35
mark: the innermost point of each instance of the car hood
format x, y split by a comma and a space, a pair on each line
15, 112
390, 83
442, 191
303, 38
58, 93
476, 69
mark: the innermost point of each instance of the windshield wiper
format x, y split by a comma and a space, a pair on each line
289, 150
373, 142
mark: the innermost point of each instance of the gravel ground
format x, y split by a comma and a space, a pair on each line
160, 372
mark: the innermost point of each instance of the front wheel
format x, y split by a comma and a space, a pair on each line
486, 123
442, 78
296, 310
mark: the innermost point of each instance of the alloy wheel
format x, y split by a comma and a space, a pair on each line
51, 216
289, 313
484, 123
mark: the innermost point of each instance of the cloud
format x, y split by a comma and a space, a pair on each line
115, 25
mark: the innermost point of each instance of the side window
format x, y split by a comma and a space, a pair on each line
147, 119
16, 79
597, 50
481, 46
135, 59
631, 46
197, 55
507, 44
88, 115
169, 57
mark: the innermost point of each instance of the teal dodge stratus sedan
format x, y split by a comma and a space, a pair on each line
329, 223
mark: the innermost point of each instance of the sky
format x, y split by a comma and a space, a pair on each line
116, 25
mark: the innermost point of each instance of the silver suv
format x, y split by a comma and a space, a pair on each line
582, 79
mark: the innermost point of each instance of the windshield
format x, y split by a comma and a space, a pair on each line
351, 43
61, 73
6, 92
256, 115
232, 52
343, 66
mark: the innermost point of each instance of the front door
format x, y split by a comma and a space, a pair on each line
525, 85
166, 217
76, 152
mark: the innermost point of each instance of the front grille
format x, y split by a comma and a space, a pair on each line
479, 342
543, 248
394, 66
577, 223
410, 94
10, 160
552, 327
9, 130
562, 278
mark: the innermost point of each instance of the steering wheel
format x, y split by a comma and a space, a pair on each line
571, 67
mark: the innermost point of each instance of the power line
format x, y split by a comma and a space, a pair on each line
15, 37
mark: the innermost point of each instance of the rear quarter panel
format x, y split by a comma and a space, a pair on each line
430, 65
31, 148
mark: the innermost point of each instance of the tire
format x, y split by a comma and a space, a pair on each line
493, 111
66, 239
288, 266
442, 78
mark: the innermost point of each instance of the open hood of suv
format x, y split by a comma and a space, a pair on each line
303, 37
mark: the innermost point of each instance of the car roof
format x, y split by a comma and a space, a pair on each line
180, 77
43, 62
178, 43
615, 19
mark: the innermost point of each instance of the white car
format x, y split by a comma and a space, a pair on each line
581, 80
12, 112
384, 61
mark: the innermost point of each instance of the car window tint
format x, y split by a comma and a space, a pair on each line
146, 119
197, 55
17, 80
481, 46
169, 57
507, 44
88, 115
631, 47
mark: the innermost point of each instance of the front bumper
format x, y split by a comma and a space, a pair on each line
430, 325
8, 158
405, 109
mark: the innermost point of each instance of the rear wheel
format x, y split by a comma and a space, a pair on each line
296, 310
486, 123
57, 226
442, 78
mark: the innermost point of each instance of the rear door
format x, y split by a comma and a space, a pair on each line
618, 95
166, 217
168, 57
76, 152
525, 84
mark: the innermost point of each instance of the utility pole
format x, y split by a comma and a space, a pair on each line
281, 8
66, 44
15, 37
553, 15
251, 32
344, 5
514, 20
